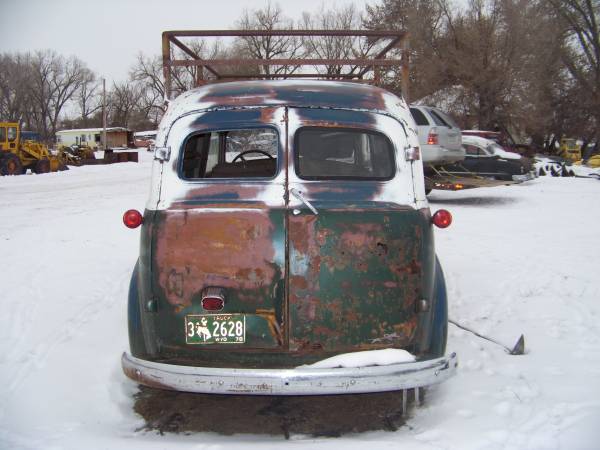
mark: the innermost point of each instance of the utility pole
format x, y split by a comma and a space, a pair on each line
104, 114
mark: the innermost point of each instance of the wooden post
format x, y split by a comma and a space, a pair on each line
104, 143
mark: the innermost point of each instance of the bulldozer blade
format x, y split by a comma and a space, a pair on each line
519, 348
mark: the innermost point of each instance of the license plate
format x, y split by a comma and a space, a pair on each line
215, 329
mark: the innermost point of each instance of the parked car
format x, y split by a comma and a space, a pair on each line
487, 159
503, 139
490, 146
439, 136
287, 224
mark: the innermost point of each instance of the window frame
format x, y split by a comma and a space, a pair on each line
296, 158
11, 131
242, 127
420, 115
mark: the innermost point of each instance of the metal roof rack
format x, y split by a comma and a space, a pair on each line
360, 67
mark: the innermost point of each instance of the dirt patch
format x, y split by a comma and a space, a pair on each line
326, 415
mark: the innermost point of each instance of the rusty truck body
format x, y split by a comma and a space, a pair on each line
287, 223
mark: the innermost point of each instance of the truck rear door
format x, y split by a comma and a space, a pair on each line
356, 246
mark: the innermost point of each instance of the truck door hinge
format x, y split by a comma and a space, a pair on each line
162, 153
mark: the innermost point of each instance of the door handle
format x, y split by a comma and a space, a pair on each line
296, 193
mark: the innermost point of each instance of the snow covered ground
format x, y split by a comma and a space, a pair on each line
519, 259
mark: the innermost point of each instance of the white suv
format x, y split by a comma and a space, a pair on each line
439, 137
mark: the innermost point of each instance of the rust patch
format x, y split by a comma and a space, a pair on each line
307, 309
267, 115
175, 283
298, 282
274, 328
413, 268
196, 249
138, 376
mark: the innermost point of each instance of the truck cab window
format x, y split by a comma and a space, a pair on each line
249, 153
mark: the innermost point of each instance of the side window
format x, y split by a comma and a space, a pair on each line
250, 153
12, 134
2, 134
419, 117
329, 153
471, 150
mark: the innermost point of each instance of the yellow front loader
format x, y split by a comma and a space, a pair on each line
18, 155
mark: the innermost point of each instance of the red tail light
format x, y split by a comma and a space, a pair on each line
442, 218
212, 303
432, 138
132, 218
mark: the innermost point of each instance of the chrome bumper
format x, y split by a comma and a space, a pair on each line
298, 381
525, 177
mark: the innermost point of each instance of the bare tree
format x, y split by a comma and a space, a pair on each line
88, 96
426, 24
13, 87
123, 102
334, 47
268, 47
579, 21
53, 81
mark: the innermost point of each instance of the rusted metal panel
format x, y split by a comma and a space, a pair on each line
355, 276
219, 244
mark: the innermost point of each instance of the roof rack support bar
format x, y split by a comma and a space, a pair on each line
166, 57
191, 53
287, 62
382, 54
405, 68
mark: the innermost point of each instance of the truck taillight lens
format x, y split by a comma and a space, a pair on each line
442, 218
132, 218
212, 303
432, 137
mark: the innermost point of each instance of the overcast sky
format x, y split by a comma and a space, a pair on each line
108, 34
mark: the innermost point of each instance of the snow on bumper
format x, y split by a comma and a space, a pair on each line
298, 381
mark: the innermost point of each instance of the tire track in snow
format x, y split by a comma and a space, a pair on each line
99, 302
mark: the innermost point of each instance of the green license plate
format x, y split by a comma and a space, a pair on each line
215, 329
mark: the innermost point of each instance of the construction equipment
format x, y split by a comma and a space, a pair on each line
84, 155
17, 155
569, 149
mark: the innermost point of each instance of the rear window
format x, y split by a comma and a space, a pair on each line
330, 153
247, 153
437, 118
419, 117
446, 118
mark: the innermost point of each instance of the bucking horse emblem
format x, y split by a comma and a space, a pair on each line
202, 329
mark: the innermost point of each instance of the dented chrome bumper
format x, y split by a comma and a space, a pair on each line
298, 381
